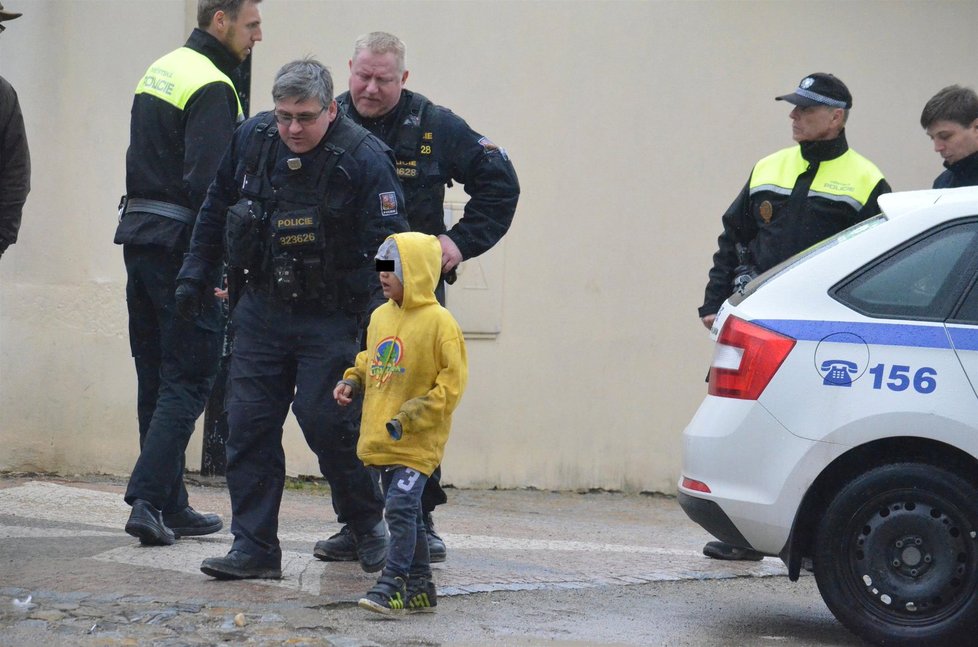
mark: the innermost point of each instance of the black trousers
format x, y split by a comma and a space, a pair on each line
294, 356
176, 361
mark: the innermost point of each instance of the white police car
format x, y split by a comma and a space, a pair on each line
841, 427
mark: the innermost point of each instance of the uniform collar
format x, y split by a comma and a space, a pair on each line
384, 125
825, 149
202, 42
967, 166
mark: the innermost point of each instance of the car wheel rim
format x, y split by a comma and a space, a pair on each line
911, 557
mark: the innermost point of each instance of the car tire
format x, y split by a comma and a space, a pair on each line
896, 556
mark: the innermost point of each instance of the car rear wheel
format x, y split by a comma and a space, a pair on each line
896, 558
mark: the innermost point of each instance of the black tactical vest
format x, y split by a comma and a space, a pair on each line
296, 240
421, 174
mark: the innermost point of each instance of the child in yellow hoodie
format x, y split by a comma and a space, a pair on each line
411, 375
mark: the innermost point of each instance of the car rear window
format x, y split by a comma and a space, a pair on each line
922, 279
804, 255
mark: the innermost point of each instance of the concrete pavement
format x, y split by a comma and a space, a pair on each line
62, 545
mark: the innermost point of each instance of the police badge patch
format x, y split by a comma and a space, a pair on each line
488, 145
388, 204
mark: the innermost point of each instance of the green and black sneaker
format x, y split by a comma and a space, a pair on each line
387, 596
421, 595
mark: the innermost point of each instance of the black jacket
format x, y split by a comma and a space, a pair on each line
15, 165
775, 226
173, 154
447, 150
962, 173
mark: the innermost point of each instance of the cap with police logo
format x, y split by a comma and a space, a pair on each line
8, 15
819, 89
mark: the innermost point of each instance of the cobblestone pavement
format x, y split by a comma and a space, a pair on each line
70, 575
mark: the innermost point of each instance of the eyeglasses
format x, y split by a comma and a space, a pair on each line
304, 118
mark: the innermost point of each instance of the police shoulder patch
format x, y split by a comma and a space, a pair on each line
388, 203
487, 144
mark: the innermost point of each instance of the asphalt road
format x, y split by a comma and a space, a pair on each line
524, 568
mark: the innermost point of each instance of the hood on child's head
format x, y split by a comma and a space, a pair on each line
417, 264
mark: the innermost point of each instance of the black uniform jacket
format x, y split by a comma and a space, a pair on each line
173, 154
362, 203
15, 165
964, 172
800, 221
448, 150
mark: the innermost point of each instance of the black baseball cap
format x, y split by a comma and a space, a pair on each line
8, 15
819, 89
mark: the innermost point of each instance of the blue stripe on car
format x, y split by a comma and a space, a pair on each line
883, 334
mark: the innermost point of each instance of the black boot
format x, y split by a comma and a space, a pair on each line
372, 547
190, 523
436, 545
341, 547
238, 565
146, 523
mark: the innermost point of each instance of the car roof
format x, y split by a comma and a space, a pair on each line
904, 202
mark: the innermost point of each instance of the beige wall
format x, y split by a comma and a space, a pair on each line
632, 126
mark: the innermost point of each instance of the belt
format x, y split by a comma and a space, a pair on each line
159, 208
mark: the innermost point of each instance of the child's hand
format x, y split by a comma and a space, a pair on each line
342, 394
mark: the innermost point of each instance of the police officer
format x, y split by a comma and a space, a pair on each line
183, 114
434, 147
793, 199
301, 202
15, 158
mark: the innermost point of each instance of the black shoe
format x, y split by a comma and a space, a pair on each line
723, 550
146, 523
190, 523
421, 595
372, 547
238, 565
341, 547
436, 545
387, 596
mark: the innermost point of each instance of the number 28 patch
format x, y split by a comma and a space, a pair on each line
388, 203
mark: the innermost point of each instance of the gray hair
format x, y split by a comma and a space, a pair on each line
953, 103
207, 8
303, 79
381, 42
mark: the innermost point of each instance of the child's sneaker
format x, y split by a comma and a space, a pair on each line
387, 596
421, 595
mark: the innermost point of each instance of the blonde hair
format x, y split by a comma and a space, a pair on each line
381, 42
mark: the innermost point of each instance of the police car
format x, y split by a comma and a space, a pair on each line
840, 432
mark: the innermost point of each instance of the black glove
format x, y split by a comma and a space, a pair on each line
394, 429
189, 298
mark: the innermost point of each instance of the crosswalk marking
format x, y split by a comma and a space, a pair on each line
492, 562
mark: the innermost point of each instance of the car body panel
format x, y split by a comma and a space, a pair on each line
851, 379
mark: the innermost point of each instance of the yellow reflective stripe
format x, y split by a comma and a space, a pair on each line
849, 178
175, 78
779, 169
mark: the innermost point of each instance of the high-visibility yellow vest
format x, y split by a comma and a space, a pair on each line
175, 78
849, 178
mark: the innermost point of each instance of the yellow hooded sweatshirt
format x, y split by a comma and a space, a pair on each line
414, 368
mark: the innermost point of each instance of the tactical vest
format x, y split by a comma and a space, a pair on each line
175, 78
421, 177
849, 178
293, 241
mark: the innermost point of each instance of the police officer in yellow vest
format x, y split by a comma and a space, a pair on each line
183, 115
794, 198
